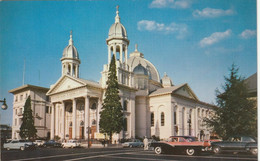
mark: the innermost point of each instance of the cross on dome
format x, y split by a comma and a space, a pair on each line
117, 18
70, 41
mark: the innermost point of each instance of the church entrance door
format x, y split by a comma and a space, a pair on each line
70, 132
93, 130
81, 133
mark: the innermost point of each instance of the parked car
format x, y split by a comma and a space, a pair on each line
236, 144
133, 143
19, 144
70, 144
179, 144
52, 143
39, 143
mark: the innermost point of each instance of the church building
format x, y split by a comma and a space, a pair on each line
151, 105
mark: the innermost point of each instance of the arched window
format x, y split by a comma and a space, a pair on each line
162, 119
81, 123
70, 124
152, 119
94, 106
125, 124
94, 122
125, 105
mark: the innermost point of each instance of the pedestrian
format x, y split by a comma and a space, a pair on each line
145, 143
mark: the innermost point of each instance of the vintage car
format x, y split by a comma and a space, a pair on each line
52, 143
133, 143
236, 144
39, 143
70, 144
19, 144
179, 144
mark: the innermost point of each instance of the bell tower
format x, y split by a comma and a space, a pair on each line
70, 60
117, 45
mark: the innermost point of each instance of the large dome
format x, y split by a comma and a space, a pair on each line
137, 58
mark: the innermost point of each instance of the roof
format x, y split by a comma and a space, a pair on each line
251, 83
27, 87
168, 90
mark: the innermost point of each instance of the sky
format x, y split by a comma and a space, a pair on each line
193, 41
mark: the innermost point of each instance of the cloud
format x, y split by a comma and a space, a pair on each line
246, 34
212, 13
180, 4
179, 29
214, 38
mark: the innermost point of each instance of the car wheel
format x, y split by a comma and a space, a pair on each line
7, 148
22, 148
190, 151
254, 151
158, 150
216, 149
130, 146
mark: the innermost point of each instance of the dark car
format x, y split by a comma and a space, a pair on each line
236, 144
51, 143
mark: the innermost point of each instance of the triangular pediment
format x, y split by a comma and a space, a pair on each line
65, 83
186, 91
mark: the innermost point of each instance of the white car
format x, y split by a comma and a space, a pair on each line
19, 144
71, 144
39, 142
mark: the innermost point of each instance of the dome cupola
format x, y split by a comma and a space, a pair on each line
70, 51
166, 81
117, 30
70, 60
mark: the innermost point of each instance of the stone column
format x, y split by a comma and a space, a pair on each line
121, 53
114, 50
56, 119
126, 56
86, 121
98, 110
52, 121
63, 121
74, 118
109, 54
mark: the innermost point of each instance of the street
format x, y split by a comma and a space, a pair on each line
113, 154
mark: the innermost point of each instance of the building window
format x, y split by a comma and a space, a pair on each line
94, 106
21, 97
152, 119
125, 124
125, 105
162, 119
16, 98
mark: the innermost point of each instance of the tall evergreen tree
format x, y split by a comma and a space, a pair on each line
237, 114
27, 129
111, 115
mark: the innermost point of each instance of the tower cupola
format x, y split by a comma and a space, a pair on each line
70, 59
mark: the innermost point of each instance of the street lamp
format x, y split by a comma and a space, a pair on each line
4, 106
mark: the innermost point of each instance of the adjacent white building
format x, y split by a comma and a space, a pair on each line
152, 106
40, 109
